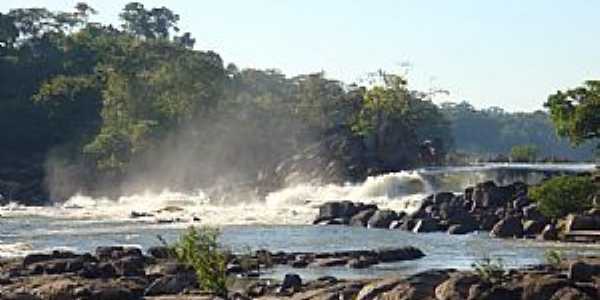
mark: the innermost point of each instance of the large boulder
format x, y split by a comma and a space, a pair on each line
461, 229
407, 223
336, 210
532, 227
160, 252
570, 293
426, 225
171, 284
582, 222
456, 287
521, 202
532, 212
443, 197
549, 233
493, 292
291, 282
374, 290
362, 218
382, 219
416, 287
487, 221
583, 272
399, 254
130, 266
362, 262
542, 287
488, 195
508, 227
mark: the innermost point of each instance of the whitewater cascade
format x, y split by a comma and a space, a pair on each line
399, 191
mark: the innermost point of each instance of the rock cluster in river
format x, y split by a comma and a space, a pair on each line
574, 280
504, 211
126, 273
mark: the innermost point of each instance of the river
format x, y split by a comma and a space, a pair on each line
279, 221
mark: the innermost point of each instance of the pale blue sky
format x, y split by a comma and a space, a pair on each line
510, 53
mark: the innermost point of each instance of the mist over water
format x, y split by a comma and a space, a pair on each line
296, 204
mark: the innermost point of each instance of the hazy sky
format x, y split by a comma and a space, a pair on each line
502, 53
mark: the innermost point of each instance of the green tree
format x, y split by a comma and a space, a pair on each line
156, 23
576, 112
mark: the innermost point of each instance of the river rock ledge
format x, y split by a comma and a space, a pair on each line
503, 211
58, 280
122, 273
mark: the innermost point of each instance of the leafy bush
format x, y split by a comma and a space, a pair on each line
200, 249
562, 195
490, 270
524, 153
554, 258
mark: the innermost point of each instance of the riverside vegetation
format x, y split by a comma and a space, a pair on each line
85, 106
89, 107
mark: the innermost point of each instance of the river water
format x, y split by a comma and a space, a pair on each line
278, 222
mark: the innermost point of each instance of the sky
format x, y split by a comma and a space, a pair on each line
509, 53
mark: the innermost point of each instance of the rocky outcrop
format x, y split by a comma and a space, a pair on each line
165, 279
504, 211
117, 272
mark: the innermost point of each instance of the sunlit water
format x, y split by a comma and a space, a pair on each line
279, 222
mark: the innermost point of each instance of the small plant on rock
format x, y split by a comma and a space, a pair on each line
490, 270
554, 258
200, 249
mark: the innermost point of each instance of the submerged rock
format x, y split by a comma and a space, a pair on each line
406, 253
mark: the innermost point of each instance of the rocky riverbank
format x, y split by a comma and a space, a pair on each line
120, 273
117, 273
504, 211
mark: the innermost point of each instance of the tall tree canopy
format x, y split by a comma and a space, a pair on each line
88, 104
576, 112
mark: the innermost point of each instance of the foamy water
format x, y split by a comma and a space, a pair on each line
294, 205
400, 191
278, 221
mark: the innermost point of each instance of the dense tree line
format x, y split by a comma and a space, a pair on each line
493, 132
84, 104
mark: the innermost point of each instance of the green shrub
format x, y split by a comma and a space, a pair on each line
554, 258
524, 153
562, 195
490, 270
200, 249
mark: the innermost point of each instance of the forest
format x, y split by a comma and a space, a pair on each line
108, 108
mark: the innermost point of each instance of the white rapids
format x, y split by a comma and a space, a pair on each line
293, 205
400, 191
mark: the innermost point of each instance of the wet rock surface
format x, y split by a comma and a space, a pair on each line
164, 279
503, 211
118, 273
